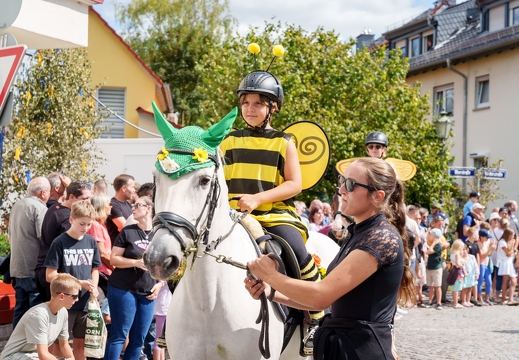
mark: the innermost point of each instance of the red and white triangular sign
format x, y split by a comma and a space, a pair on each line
10, 59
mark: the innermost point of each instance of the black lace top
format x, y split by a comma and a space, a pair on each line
375, 299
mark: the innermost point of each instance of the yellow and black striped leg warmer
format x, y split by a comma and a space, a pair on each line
309, 272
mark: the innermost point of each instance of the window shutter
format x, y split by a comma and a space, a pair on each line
115, 100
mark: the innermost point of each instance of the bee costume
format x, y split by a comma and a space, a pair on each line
254, 162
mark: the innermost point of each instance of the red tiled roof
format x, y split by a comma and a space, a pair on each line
133, 53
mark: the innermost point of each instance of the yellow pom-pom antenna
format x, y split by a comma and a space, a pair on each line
278, 50
254, 48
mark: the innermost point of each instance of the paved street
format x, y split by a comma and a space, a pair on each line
489, 332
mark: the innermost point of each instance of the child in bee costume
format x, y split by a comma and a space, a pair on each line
262, 170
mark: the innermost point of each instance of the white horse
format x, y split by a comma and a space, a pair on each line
211, 315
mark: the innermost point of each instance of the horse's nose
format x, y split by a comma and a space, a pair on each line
145, 259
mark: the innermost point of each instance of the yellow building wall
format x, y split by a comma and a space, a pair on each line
113, 65
490, 130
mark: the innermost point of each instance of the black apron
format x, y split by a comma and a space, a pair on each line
347, 339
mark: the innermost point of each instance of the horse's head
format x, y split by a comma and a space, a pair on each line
187, 193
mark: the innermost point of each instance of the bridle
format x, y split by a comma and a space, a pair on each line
173, 222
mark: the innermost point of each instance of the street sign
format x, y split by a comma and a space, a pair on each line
494, 174
10, 59
462, 172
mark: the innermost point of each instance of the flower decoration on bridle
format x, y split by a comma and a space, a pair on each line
200, 155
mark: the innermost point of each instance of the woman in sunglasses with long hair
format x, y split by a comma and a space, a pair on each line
368, 277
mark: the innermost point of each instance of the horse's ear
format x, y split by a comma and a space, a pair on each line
216, 133
166, 129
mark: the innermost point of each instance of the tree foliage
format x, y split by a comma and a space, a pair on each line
54, 124
348, 94
171, 36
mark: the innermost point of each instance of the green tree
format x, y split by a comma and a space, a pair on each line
349, 94
171, 36
54, 124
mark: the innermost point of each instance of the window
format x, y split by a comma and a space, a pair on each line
496, 18
415, 47
444, 100
428, 43
482, 91
515, 16
404, 51
115, 100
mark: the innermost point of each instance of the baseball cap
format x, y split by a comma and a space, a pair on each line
436, 233
473, 194
493, 216
485, 233
440, 216
477, 206
437, 206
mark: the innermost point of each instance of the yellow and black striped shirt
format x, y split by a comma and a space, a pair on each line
255, 162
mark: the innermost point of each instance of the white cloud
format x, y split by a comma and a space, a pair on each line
347, 17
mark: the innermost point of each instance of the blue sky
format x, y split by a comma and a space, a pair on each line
347, 17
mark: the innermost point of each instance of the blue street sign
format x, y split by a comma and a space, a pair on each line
494, 174
462, 172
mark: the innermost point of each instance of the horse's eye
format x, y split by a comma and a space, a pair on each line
205, 181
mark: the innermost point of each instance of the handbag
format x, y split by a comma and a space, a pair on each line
95, 334
453, 275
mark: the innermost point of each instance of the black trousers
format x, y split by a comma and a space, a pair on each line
294, 239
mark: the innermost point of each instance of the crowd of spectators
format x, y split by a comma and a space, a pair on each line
65, 226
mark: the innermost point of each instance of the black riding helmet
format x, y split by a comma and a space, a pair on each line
263, 83
376, 137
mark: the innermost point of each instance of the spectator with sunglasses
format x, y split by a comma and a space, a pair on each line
369, 275
376, 144
42, 325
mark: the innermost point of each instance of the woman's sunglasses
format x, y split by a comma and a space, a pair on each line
350, 184
377, 146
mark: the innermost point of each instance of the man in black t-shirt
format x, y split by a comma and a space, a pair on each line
58, 184
124, 186
55, 223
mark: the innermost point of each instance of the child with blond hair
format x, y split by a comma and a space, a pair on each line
457, 262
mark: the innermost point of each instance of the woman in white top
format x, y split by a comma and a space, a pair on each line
497, 232
505, 259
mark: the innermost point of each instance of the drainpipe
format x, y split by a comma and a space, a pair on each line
465, 92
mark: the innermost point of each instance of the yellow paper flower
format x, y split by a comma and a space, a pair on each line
322, 272
254, 48
49, 126
200, 155
27, 96
163, 154
278, 50
20, 132
15, 177
51, 90
82, 131
83, 165
40, 59
17, 153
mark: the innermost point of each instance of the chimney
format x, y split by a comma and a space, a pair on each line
365, 39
